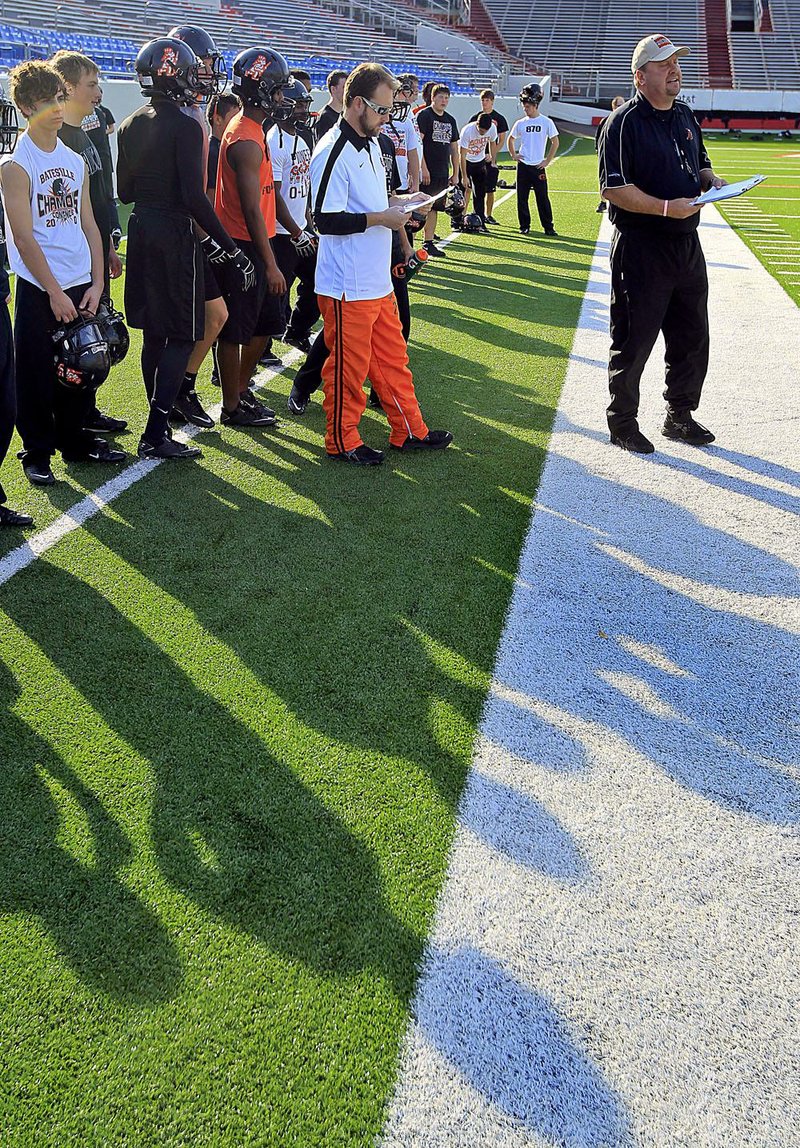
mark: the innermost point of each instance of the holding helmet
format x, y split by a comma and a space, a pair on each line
81, 354
113, 330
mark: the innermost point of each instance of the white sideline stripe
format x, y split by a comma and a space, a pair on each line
611, 961
38, 544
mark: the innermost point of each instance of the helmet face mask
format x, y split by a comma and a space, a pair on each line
81, 354
112, 328
454, 201
295, 104
400, 110
170, 68
212, 72
9, 126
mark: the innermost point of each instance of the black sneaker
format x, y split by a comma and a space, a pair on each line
9, 517
632, 440
683, 428
602, 206
168, 448
434, 440
362, 455
301, 342
432, 249
491, 219
102, 452
550, 231
251, 402
38, 473
297, 402
104, 424
373, 402
215, 379
270, 359
524, 230
243, 416
188, 409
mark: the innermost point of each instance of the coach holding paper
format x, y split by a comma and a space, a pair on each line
652, 166
353, 279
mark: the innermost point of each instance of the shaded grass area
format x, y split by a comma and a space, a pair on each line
239, 708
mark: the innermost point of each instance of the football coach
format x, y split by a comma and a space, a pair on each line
355, 222
653, 165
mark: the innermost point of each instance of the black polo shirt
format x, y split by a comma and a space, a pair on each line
661, 153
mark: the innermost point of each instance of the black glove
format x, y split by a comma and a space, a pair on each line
215, 254
305, 244
243, 265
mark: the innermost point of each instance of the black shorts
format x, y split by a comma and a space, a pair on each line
437, 183
492, 174
212, 289
254, 312
164, 275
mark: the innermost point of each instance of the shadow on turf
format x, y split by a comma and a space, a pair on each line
105, 933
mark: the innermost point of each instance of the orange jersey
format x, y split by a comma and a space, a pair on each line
227, 203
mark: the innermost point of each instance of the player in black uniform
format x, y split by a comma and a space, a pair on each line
80, 76
160, 170
8, 400
333, 109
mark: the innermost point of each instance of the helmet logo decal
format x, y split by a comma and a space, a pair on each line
169, 63
257, 68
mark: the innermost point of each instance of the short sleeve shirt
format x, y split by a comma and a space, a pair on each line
404, 136
499, 121
438, 135
531, 134
660, 152
291, 166
475, 144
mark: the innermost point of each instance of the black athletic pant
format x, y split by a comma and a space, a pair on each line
309, 378
529, 177
164, 363
476, 173
50, 416
8, 399
658, 283
301, 318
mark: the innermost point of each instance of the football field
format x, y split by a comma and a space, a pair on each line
239, 701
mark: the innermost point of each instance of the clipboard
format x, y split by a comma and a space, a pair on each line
730, 190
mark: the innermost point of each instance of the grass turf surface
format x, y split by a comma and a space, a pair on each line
239, 707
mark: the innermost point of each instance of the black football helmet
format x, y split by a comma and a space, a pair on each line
258, 75
454, 201
9, 126
170, 67
113, 329
81, 354
531, 94
472, 223
204, 48
295, 105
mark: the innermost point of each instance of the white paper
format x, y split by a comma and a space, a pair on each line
730, 190
409, 207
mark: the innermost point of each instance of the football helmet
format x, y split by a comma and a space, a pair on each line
9, 126
257, 77
113, 329
80, 353
472, 224
454, 201
531, 94
204, 48
170, 67
295, 104
400, 110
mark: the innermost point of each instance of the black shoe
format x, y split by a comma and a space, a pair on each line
102, 452
105, 424
434, 440
301, 342
491, 219
251, 402
168, 448
270, 359
38, 473
602, 206
632, 440
683, 428
550, 231
432, 249
116, 237
9, 517
297, 402
362, 455
188, 409
215, 379
524, 230
373, 402
243, 416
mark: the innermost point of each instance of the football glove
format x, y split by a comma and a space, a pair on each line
305, 244
243, 265
215, 254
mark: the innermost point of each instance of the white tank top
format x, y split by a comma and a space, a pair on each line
57, 184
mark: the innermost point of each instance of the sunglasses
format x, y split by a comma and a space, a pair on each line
378, 109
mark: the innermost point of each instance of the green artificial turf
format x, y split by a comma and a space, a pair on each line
237, 711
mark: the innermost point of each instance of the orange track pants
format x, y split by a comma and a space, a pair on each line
365, 339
